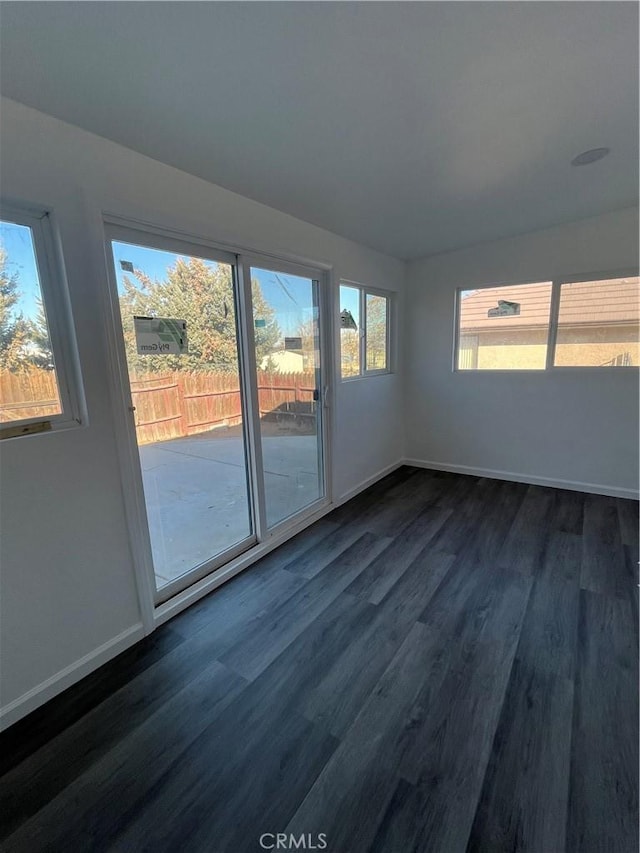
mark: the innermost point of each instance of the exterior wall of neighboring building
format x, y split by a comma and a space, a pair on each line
604, 345
284, 362
513, 349
526, 349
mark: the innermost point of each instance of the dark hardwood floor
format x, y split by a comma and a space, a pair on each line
444, 664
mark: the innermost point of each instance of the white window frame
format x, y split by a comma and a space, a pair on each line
55, 299
364, 291
552, 331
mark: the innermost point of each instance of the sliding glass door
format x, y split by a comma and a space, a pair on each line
180, 336
286, 320
220, 371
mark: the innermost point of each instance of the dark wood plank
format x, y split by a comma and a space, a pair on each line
549, 634
237, 602
38, 728
603, 795
385, 513
246, 773
349, 512
451, 752
436, 812
289, 681
478, 635
604, 568
631, 561
422, 486
269, 635
349, 796
523, 807
382, 573
454, 720
358, 666
455, 489
389, 517
98, 732
496, 505
461, 526
568, 512
524, 546
107, 795
300, 543
629, 521
313, 559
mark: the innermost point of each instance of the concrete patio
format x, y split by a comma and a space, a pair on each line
196, 493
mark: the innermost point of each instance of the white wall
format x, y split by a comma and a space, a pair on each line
68, 594
578, 426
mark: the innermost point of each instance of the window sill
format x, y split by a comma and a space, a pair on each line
38, 426
370, 374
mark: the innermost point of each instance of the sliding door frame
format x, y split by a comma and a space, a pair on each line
141, 540
124, 229
251, 384
322, 289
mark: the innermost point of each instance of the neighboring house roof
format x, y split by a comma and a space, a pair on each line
606, 302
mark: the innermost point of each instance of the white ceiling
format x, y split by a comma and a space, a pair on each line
410, 127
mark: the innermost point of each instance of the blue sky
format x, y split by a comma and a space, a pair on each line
16, 241
290, 296
350, 299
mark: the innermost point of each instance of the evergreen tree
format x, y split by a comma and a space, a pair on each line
15, 331
41, 354
200, 293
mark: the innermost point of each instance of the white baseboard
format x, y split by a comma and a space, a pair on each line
41, 693
369, 482
571, 485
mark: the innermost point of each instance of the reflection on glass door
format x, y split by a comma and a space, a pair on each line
179, 325
287, 342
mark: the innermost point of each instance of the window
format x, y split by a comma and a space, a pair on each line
504, 328
350, 331
364, 331
375, 332
35, 335
564, 323
598, 323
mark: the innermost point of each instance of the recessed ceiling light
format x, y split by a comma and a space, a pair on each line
590, 156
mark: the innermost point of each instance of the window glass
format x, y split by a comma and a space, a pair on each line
349, 331
29, 385
376, 332
598, 324
364, 331
504, 328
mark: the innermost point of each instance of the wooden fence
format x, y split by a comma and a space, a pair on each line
172, 405
28, 394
